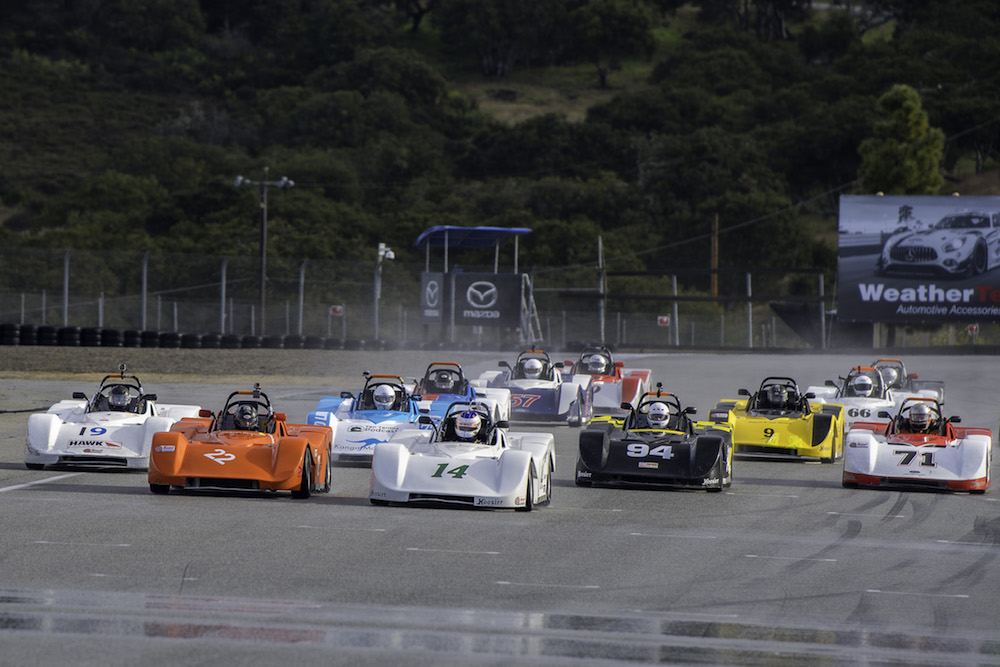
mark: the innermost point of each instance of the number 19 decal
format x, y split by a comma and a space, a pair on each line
457, 473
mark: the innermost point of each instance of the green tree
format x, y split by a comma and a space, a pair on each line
904, 155
609, 30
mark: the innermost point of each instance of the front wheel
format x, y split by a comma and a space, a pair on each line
305, 487
328, 480
718, 472
528, 501
161, 489
35, 466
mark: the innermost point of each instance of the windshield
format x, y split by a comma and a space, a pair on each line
964, 221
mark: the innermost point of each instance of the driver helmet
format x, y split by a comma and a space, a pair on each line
444, 381
862, 386
776, 394
597, 364
920, 417
658, 415
384, 396
118, 399
246, 417
532, 369
890, 375
467, 425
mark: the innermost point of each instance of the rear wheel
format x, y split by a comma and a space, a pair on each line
548, 482
528, 501
328, 479
161, 489
305, 487
577, 419
35, 466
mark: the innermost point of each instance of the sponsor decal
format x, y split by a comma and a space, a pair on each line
112, 445
490, 502
165, 448
583, 473
357, 445
652, 465
82, 443
94, 450
482, 294
377, 493
861, 444
431, 294
930, 299
711, 481
519, 500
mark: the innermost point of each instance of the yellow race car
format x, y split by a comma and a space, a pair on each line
777, 421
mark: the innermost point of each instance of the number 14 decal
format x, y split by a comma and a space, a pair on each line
457, 473
926, 458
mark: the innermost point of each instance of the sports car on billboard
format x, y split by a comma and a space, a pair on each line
960, 244
246, 446
444, 382
778, 421
113, 428
613, 383
920, 449
382, 407
538, 391
469, 460
656, 445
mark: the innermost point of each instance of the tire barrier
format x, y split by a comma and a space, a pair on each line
29, 334
191, 341
170, 339
294, 342
69, 336
112, 338
47, 335
231, 342
90, 337
334, 344
132, 338
10, 334
250, 342
273, 342
211, 341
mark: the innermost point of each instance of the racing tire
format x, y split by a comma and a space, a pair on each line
529, 502
35, 466
835, 455
719, 470
328, 479
577, 421
160, 489
548, 482
849, 485
378, 502
306, 486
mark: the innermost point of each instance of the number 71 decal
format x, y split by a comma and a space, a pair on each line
926, 458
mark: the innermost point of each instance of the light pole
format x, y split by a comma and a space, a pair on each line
262, 186
384, 253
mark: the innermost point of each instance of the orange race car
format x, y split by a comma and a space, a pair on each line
245, 447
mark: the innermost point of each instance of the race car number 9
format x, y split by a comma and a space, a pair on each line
641, 450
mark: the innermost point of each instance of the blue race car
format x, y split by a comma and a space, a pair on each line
381, 408
445, 383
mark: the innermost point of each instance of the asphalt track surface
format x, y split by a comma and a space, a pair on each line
785, 568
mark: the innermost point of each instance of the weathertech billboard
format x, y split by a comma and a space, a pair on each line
919, 259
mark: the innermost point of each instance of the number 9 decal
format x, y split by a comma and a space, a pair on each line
769, 432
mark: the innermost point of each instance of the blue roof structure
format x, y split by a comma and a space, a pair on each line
453, 236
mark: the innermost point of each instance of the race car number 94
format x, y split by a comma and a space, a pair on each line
642, 450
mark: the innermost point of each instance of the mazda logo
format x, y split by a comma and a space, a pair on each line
431, 293
482, 294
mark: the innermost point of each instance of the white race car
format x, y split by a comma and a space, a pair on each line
613, 383
919, 448
112, 429
467, 461
540, 393
868, 391
444, 382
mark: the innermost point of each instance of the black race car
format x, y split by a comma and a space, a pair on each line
656, 445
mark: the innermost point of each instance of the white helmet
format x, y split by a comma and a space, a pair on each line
532, 369
658, 415
891, 375
597, 364
920, 417
862, 385
777, 394
467, 425
444, 381
384, 396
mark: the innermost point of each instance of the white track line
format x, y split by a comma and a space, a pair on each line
39, 481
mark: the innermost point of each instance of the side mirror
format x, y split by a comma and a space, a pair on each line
80, 395
149, 397
690, 410
558, 364
503, 423
346, 394
913, 376
743, 392
955, 419
503, 364
205, 413
829, 383
884, 415
625, 406
810, 394
280, 417
425, 419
